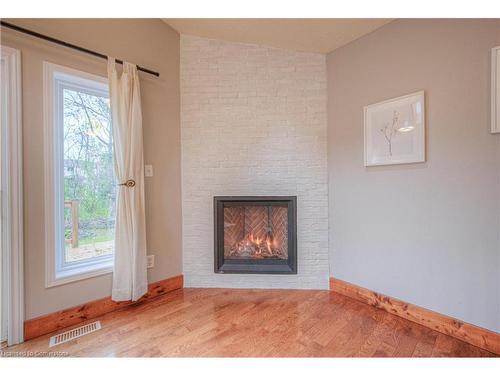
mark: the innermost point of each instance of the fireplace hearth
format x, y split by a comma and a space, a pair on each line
255, 235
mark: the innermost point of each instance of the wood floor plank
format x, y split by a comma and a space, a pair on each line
373, 340
256, 323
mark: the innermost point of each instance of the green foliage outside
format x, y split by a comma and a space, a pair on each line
88, 165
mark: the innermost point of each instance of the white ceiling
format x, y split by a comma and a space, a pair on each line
307, 34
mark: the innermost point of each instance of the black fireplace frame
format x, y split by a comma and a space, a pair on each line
253, 266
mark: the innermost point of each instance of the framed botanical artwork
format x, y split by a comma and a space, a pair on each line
395, 131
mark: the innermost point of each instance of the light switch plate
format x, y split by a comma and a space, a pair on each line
151, 261
148, 170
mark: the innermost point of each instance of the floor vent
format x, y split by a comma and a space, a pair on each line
74, 333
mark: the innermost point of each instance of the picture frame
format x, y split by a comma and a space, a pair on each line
495, 90
394, 131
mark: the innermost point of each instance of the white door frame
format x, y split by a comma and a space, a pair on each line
12, 196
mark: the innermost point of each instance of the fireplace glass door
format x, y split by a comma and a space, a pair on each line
255, 234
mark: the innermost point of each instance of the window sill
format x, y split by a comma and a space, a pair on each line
81, 273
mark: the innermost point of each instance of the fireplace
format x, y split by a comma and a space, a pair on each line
255, 235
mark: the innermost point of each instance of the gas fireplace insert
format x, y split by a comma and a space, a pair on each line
255, 235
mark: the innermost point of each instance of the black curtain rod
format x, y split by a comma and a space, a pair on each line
69, 45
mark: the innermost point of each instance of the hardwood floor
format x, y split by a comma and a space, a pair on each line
256, 323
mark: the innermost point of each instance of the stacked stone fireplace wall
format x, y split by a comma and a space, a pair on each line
253, 123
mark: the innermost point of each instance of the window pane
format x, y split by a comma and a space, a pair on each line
89, 182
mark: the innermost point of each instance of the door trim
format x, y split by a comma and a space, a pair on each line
12, 205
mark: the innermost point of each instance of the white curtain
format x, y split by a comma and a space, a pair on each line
130, 273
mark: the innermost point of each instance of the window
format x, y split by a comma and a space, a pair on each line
80, 182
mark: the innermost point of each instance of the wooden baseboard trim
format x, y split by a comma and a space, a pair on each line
78, 314
466, 332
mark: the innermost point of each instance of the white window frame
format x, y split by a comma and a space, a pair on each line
56, 78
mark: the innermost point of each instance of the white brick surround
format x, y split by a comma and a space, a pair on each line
253, 122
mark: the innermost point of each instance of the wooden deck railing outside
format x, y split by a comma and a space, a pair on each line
73, 206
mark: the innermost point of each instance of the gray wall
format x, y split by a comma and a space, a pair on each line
425, 233
150, 43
